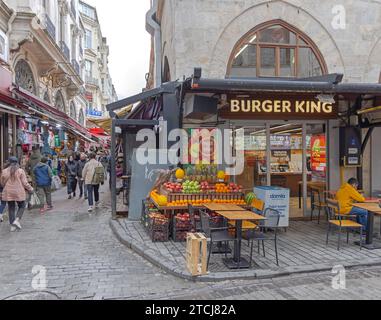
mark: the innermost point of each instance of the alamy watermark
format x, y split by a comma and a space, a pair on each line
201, 146
339, 279
39, 281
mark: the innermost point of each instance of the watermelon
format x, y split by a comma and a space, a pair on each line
250, 197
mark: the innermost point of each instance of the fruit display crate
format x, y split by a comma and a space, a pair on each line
173, 197
158, 228
148, 207
180, 228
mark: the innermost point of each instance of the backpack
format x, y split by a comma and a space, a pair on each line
99, 175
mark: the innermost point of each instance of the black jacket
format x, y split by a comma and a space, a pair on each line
71, 169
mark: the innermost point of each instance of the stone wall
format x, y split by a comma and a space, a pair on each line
203, 33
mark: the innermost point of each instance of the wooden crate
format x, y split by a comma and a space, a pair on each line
197, 254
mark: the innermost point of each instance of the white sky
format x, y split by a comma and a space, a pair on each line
123, 24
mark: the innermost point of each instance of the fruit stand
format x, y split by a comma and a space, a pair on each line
172, 194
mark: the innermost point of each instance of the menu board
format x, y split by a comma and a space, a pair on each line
280, 142
319, 154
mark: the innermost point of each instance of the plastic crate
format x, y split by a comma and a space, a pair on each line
158, 228
180, 229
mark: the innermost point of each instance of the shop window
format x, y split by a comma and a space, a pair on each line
24, 77
276, 49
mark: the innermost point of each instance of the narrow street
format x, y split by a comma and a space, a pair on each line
83, 260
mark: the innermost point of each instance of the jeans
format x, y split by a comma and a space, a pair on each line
93, 191
3, 204
12, 210
71, 185
362, 216
82, 188
45, 193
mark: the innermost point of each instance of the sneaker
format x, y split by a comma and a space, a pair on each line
49, 208
70, 197
97, 204
1, 218
74, 195
13, 229
90, 209
17, 224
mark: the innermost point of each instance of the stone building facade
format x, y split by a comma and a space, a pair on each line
345, 38
99, 87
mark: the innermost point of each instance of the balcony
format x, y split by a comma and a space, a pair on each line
65, 50
50, 28
76, 66
92, 81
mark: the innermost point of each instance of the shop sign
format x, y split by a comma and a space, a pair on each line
318, 154
94, 113
249, 107
89, 96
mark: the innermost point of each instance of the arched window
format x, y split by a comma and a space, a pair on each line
73, 112
81, 118
60, 102
46, 97
276, 49
166, 71
24, 77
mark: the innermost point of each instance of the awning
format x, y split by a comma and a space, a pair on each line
105, 124
10, 105
45, 110
7, 109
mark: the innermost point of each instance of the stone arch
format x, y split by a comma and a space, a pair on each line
372, 71
59, 102
264, 12
24, 77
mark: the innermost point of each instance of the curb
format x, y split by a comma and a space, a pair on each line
151, 256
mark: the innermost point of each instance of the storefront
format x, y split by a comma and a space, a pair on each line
291, 128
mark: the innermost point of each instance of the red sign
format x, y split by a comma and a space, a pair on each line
319, 154
89, 96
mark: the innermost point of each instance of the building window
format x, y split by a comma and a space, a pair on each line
87, 10
60, 102
276, 49
81, 118
89, 69
88, 39
73, 112
46, 97
24, 77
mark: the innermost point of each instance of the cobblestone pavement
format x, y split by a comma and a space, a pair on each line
83, 260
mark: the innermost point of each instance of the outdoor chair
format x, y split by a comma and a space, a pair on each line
341, 222
271, 223
257, 207
215, 235
318, 202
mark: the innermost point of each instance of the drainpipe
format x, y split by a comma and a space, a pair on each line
154, 29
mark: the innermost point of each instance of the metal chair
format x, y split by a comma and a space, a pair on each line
341, 222
215, 235
317, 202
271, 223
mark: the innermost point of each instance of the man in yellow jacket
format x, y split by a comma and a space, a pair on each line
347, 196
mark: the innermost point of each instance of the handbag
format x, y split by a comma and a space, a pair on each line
34, 201
56, 183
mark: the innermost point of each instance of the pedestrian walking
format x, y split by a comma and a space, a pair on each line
71, 171
44, 175
82, 186
14, 181
3, 204
94, 175
34, 158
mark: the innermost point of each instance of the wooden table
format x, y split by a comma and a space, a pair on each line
239, 216
222, 207
373, 210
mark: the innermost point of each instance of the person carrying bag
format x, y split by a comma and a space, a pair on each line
94, 175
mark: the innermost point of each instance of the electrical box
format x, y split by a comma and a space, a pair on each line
350, 147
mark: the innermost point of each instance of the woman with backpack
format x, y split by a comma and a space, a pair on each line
94, 175
15, 182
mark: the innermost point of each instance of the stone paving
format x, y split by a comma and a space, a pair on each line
301, 249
